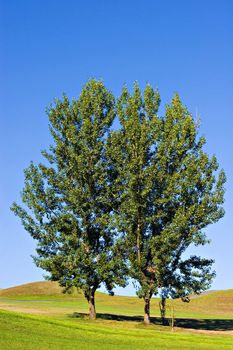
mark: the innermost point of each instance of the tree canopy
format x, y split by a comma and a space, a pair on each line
108, 204
168, 192
69, 199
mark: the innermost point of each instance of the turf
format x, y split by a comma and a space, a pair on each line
36, 332
49, 319
47, 297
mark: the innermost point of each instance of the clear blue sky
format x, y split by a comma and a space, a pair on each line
50, 47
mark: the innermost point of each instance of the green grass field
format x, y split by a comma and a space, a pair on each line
39, 316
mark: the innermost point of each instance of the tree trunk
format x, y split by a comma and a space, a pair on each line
147, 311
138, 244
162, 305
91, 302
172, 317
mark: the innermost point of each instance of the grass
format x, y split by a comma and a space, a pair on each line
47, 297
28, 332
45, 318
34, 288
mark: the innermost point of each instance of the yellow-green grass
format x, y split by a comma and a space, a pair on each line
59, 321
27, 332
47, 297
34, 288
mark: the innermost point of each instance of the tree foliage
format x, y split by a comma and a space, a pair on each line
106, 205
69, 201
168, 192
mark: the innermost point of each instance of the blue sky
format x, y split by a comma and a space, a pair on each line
51, 47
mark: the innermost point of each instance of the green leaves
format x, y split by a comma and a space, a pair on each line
129, 202
69, 208
168, 191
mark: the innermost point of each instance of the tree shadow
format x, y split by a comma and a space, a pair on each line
203, 324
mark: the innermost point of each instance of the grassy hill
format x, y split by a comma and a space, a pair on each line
47, 297
34, 288
37, 332
39, 316
37, 288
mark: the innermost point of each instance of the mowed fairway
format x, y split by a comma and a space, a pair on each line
39, 316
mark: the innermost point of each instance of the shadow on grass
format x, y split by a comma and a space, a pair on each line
204, 324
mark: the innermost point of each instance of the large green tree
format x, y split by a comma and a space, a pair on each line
189, 197
167, 192
67, 200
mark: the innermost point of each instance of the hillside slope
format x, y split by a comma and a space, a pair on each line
34, 288
43, 297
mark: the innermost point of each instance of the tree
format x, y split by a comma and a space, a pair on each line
69, 199
132, 151
186, 277
189, 198
168, 191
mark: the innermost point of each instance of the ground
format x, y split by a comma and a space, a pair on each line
40, 316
